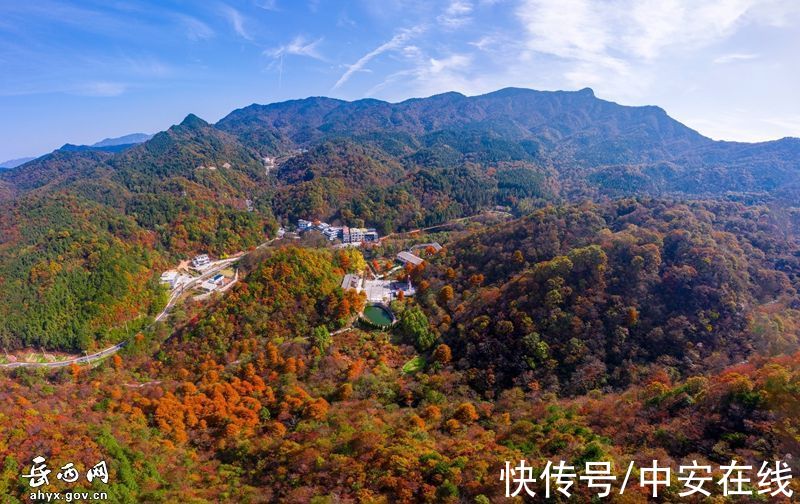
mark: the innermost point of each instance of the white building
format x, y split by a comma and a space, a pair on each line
352, 281
170, 278
352, 235
436, 246
201, 261
371, 235
358, 235
332, 232
409, 258
209, 286
348, 235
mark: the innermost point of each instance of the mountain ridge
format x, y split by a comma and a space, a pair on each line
574, 132
111, 144
13, 163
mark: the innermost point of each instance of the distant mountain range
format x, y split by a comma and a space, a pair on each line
13, 163
109, 145
133, 138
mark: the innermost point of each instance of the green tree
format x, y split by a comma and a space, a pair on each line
321, 338
413, 326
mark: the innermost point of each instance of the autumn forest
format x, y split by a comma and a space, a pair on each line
611, 286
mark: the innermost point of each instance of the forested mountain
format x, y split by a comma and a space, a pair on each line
116, 144
635, 299
393, 166
579, 298
86, 232
255, 399
618, 149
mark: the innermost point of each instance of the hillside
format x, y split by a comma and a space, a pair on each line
256, 399
87, 232
586, 297
198, 187
582, 324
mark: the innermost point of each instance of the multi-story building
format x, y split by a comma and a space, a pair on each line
371, 235
201, 261
352, 235
348, 235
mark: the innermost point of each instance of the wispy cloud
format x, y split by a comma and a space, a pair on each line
486, 42
456, 15
618, 41
147, 66
101, 88
790, 123
430, 75
271, 5
237, 22
299, 46
344, 20
453, 62
582, 29
394, 43
730, 58
196, 29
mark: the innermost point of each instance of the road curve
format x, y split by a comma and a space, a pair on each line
102, 354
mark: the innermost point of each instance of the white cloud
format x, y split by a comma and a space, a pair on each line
644, 29
237, 22
271, 5
394, 43
616, 45
790, 123
148, 67
344, 20
101, 88
486, 42
453, 62
456, 15
730, 58
196, 29
745, 127
434, 75
299, 46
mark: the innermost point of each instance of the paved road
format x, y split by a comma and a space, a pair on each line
219, 266
430, 228
173, 298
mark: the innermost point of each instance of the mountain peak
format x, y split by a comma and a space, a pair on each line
192, 121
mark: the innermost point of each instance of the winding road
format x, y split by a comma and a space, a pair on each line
102, 354
218, 266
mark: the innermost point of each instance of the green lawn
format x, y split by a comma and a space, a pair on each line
414, 365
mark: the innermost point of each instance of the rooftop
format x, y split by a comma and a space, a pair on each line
436, 246
408, 257
351, 281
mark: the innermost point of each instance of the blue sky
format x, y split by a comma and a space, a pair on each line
81, 71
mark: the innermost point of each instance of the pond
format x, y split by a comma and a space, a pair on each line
378, 315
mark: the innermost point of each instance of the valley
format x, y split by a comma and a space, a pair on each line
404, 297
